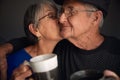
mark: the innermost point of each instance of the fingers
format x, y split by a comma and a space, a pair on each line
3, 64
22, 76
4, 50
108, 73
3, 75
21, 72
3, 68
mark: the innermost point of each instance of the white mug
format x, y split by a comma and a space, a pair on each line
44, 67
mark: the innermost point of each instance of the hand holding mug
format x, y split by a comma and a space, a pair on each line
109, 73
44, 67
21, 73
94, 75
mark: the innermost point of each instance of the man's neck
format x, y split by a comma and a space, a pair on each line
88, 42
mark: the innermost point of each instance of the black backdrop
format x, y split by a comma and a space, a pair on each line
12, 11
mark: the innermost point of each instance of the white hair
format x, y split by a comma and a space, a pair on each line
93, 8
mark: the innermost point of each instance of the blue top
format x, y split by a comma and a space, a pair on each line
15, 59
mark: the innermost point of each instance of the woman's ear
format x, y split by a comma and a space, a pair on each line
33, 30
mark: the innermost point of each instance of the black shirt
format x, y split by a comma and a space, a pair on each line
72, 58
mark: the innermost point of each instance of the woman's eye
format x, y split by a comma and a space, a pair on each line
52, 16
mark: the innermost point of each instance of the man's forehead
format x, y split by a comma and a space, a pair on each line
72, 4
69, 1
102, 5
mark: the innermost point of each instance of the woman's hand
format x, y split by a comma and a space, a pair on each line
21, 73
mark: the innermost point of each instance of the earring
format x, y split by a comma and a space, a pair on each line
39, 38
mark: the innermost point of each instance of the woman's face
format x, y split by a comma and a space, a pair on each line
48, 25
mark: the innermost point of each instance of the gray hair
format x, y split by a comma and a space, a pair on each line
32, 15
40, 10
93, 8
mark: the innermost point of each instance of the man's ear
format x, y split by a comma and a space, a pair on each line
97, 17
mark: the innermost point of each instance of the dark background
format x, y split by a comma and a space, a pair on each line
12, 12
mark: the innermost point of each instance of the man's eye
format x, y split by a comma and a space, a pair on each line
73, 12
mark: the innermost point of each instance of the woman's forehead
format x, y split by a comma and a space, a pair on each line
49, 8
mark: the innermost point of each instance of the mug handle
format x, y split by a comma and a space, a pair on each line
26, 63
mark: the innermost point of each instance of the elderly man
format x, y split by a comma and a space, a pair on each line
84, 47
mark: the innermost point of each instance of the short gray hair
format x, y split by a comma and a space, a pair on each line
91, 7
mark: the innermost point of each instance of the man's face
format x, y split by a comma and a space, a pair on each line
74, 20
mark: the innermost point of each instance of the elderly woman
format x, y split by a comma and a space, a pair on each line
41, 27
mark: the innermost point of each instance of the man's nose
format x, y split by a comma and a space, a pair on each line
62, 18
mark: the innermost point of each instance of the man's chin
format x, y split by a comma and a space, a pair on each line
64, 35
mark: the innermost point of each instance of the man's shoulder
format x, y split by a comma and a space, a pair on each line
112, 39
112, 44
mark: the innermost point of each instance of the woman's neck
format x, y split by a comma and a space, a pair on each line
42, 47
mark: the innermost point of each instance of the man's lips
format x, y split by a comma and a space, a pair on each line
63, 28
